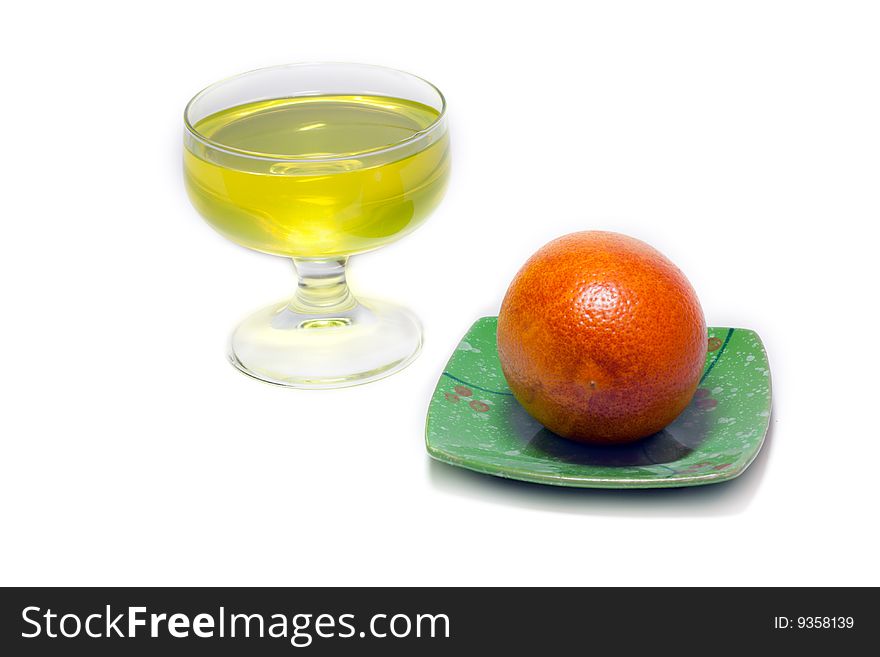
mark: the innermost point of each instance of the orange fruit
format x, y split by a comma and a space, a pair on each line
601, 338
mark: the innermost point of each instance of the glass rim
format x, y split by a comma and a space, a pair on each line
207, 141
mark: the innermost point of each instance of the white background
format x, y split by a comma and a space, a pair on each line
741, 139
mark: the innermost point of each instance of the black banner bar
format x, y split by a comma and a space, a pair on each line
431, 621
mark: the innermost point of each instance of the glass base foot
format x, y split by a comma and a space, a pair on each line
367, 341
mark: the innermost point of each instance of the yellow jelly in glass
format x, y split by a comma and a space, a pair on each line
318, 162
320, 180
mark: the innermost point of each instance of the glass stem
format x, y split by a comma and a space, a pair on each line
322, 289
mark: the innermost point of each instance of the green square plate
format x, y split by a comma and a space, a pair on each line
475, 422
